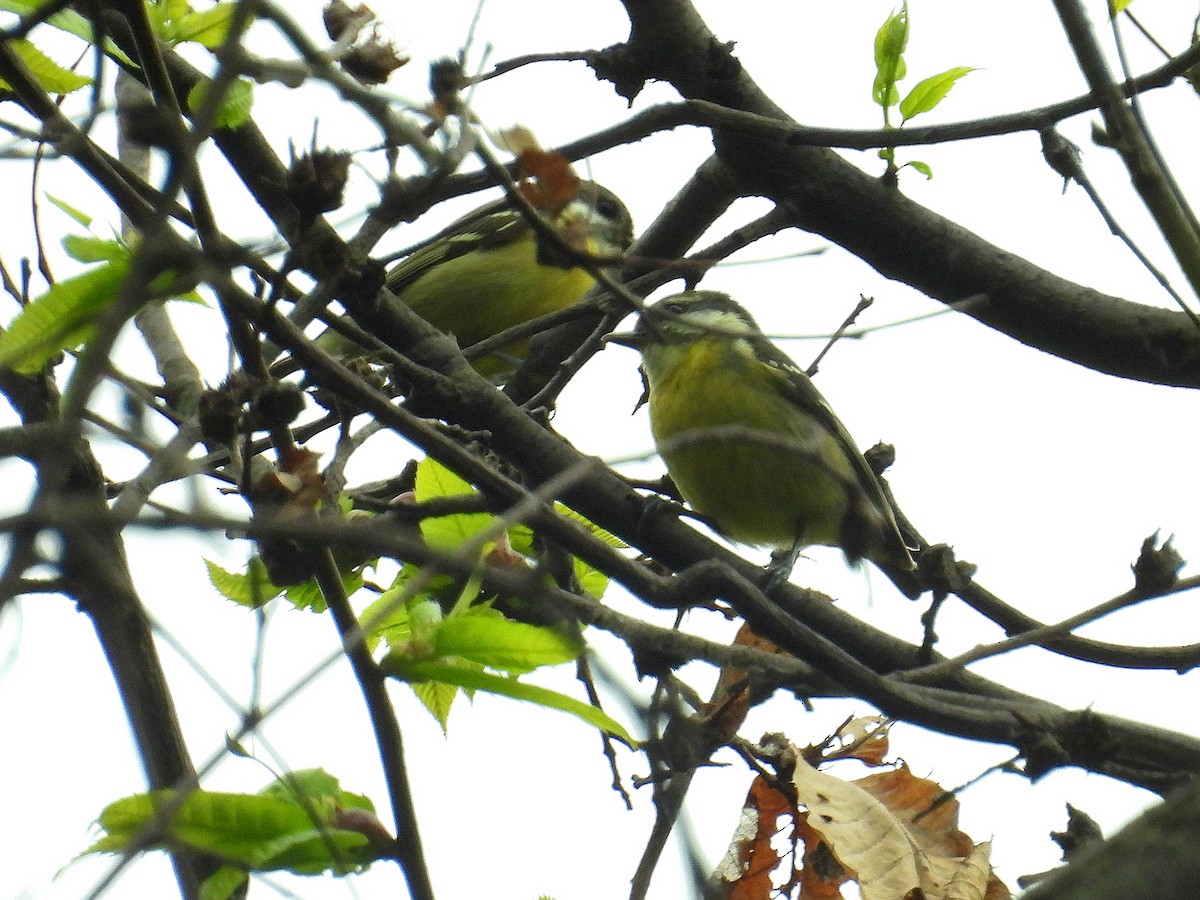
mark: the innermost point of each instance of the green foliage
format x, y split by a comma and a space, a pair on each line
921, 167
890, 68
443, 637
472, 637
440, 653
88, 249
222, 884
890, 43
68, 21
470, 677
234, 109
65, 316
77, 214
304, 824
253, 588
930, 91
52, 77
435, 482
175, 22
491, 640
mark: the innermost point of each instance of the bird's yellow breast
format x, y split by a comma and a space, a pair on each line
739, 450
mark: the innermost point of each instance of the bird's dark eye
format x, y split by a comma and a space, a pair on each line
607, 207
675, 308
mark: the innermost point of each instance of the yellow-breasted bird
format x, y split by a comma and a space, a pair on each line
489, 272
749, 441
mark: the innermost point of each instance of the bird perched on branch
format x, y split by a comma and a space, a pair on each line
749, 441
491, 270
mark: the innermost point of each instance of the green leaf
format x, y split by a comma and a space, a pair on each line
930, 91
1116, 7
175, 22
69, 21
235, 105
921, 167
222, 884
81, 217
467, 677
593, 581
318, 788
208, 27
252, 588
434, 481
386, 619
499, 643
890, 41
608, 538
306, 595
52, 77
163, 16
437, 698
89, 249
62, 317
425, 617
273, 830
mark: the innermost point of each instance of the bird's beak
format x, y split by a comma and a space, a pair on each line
626, 339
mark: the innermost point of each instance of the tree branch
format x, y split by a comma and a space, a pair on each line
897, 236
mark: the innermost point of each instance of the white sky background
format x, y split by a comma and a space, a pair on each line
1046, 475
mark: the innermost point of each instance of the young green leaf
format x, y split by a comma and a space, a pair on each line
251, 588
387, 618
235, 104
223, 883
174, 22
66, 20
52, 77
304, 824
465, 676
62, 317
496, 642
593, 581
317, 787
437, 698
255, 832
207, 27
89, 249
930, 91
78, 215
435, 481
890, 41
608, 538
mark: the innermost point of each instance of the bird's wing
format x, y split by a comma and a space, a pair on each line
485, 229
791, 381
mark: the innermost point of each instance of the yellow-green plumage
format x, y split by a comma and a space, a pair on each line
487, 272
749, 441
734, 479
493, 290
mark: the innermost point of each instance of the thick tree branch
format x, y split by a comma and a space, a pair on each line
899, 237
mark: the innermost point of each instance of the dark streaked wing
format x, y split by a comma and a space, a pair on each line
796, 386
492, 226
